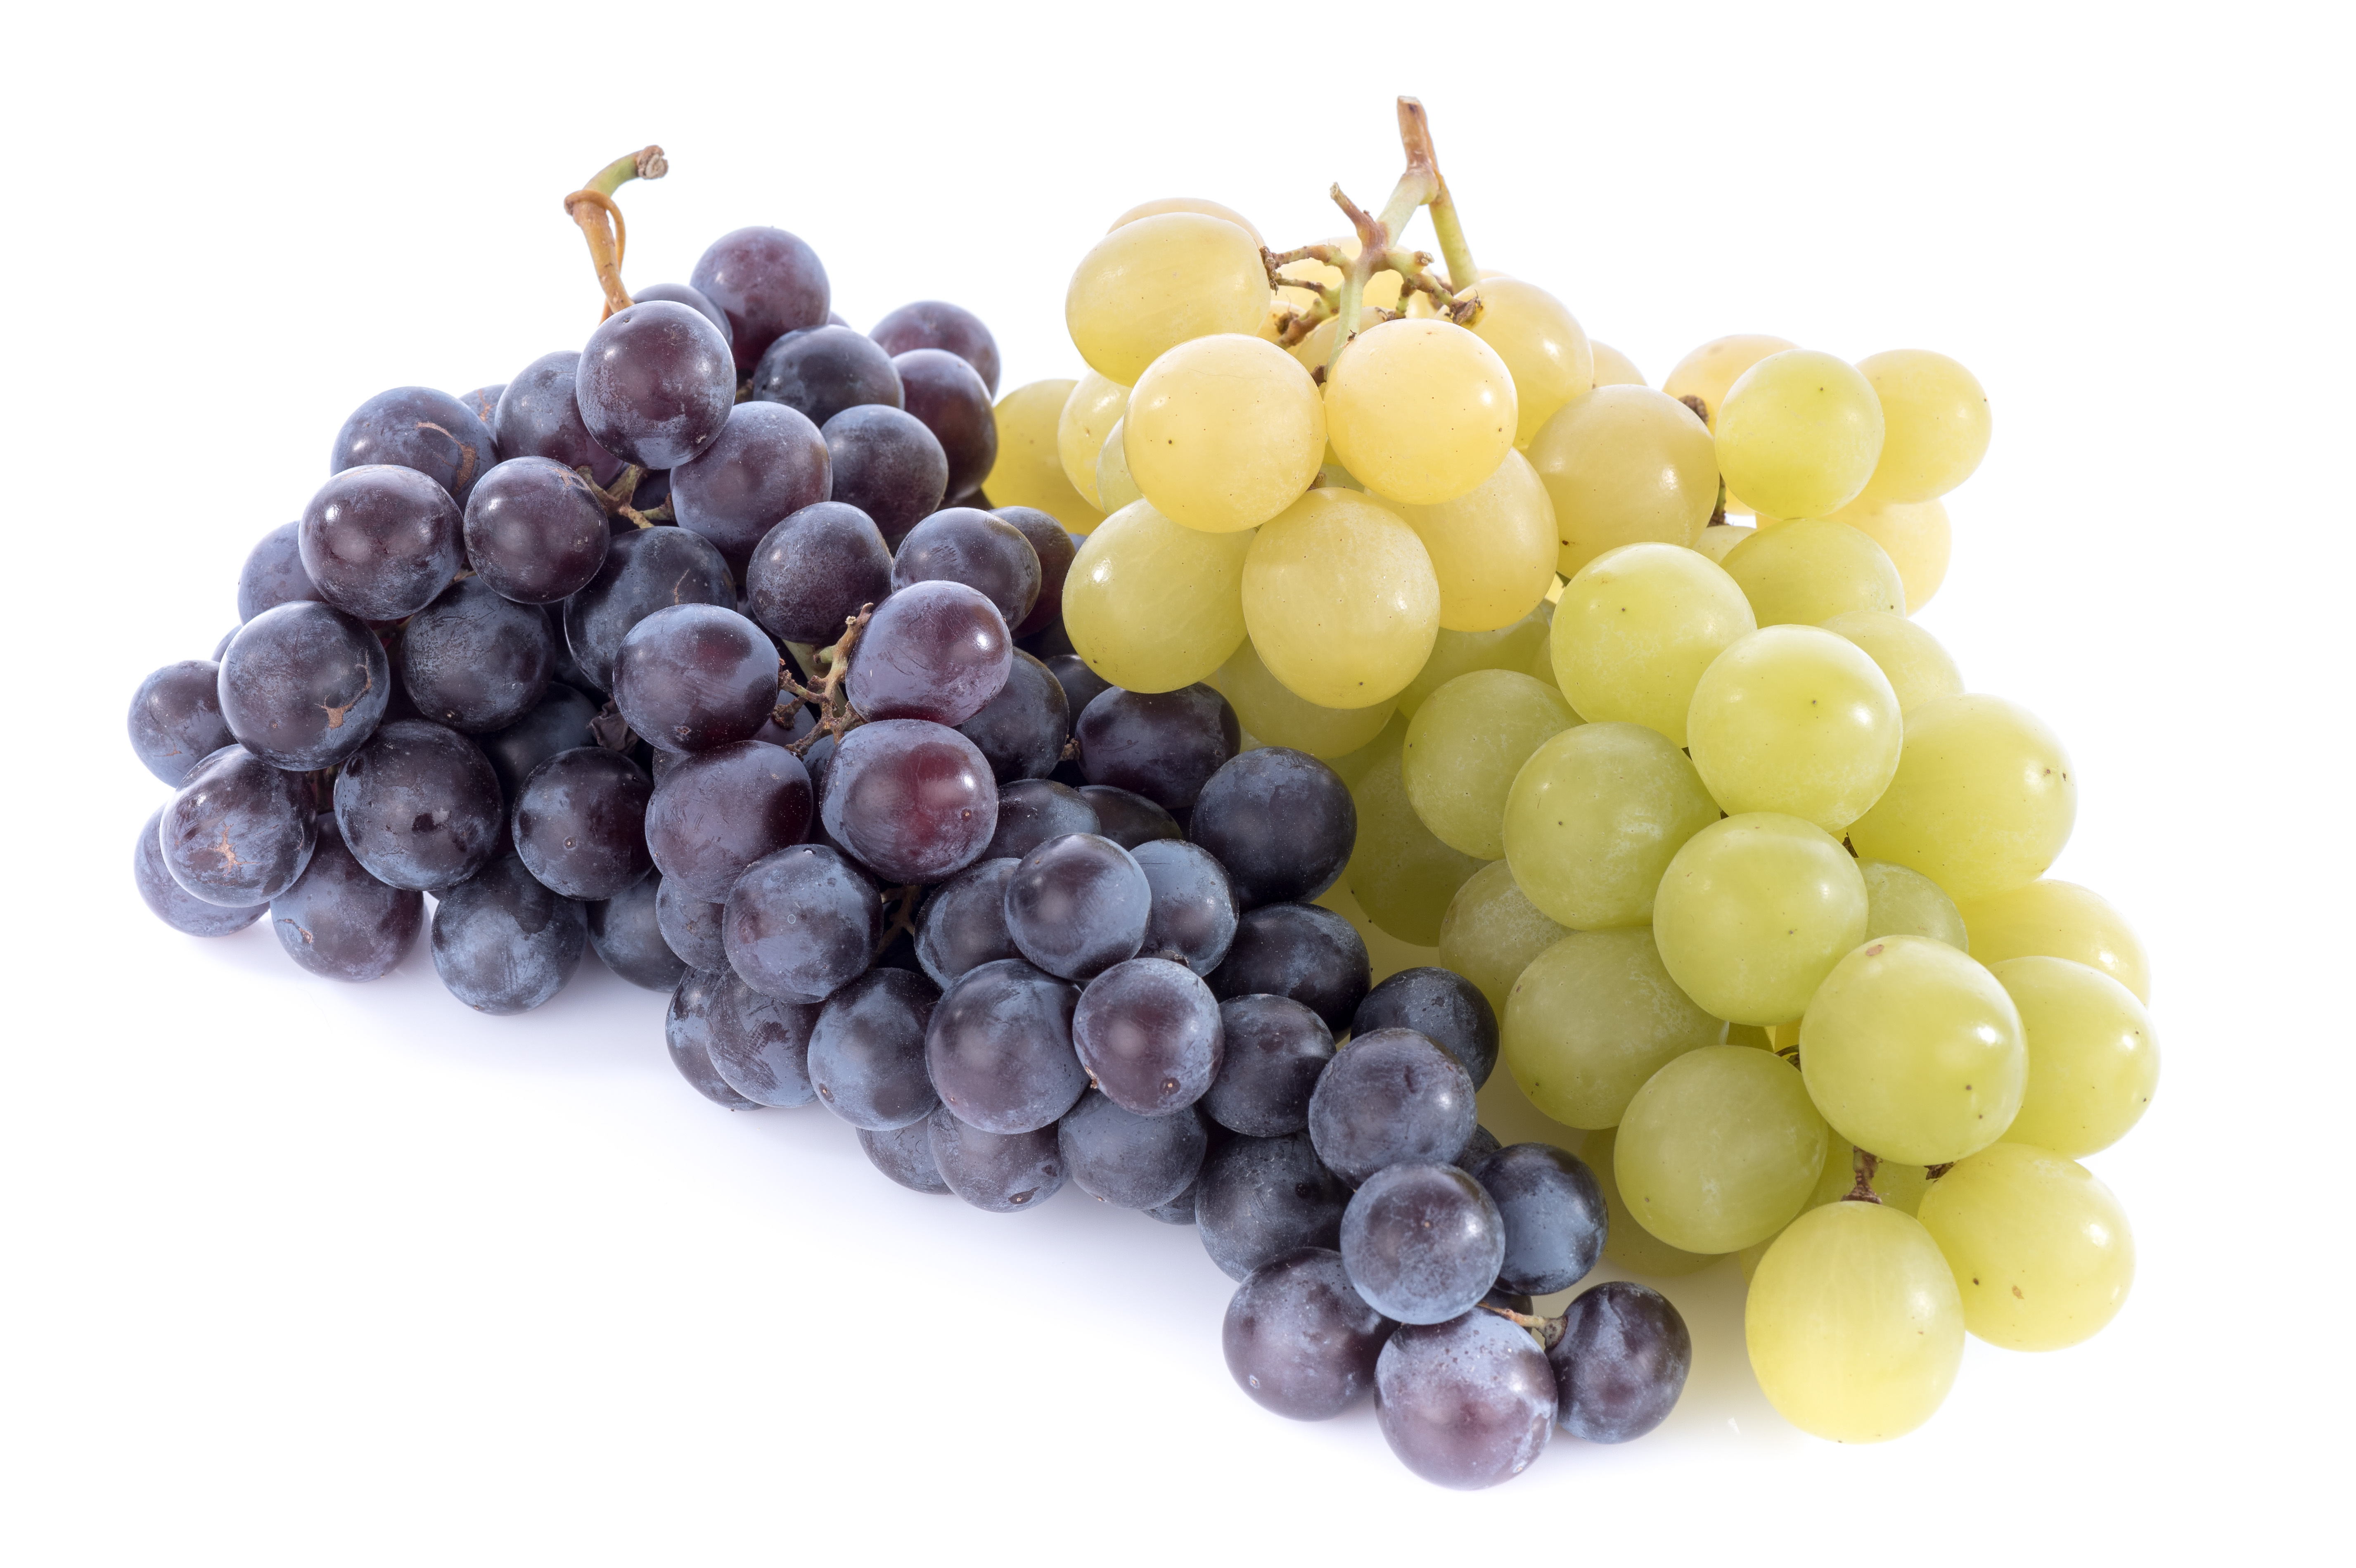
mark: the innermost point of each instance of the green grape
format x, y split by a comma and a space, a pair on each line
1385, 954
1491, 933
1798, 434
1853, 1323
1918, 669
1613, 369
2040, 1250
1718, 1149
1807, 573
1340, 599
1464, 746
1914, 535
1627, 1245
1187, 204
1624, 466
1351, 766
2094, 1058
1421, 411
1797, 721
1753, 913
1154, 283
1089, 415
1719, 539
1636, 627
1492, 548
1543, 347
1027, 472
1115, 488
1455, 654
1710, 369
1899, 902
1223, 433
1982, 802
1899, 1185
1591, 1018
2058, 920
1152, 606
1594, 819
1400, 874
1913, 1051
1936, 423
1269, 710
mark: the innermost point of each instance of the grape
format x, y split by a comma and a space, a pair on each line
1445, 1008
1492, 548
238, 832
380, 541
627, 932
1339, 600
1187, 204
693, 299
1280, 823
885, 463
1812, 571
1273, 1050
766, 283
1755, 912
2094, 1058
693, 677
1720, 1150
688, 1030
176, 718
1552, 1214
655, 384
503, 943
1613, 369
1299, 1337
1455, 654
303, 686
1914, 1052
999, 1046
580, 823
949, 398
977, 548
811, 573
1401, 875
905, 1155
540, 416
1465, 746
1192, 917
1129, 820
1983, 800
1798, 434
1152, 605
913, 800
474, 660
1223, 433
758, 1047
2058, 920
1853, 1323
1541, 344
1077, 905
936, 324
1798, 721
1465, 1403
1128, 1161
1300, 950
419, 807
1028, 472
1116, 486
1491, 933
1391, 1097
1268, 710
1422, 1242
718, 812
419, 429
690, 927
1148, 1032
1710, 369
1620, 1362
936, 651
1635, 629
801, 924
1935, 425
1159, 282
1033, 811
1421, 411
1915, 536
1164, 746
645, 570
1590, 1018
1899, 902
963, 924
2040, 1250
534, 530
866, 1052
1000, 1172
819, 371
558, 722
274, 575
174, 904
339, 922
1055, 550
1594, 820
1624, 466
1090, 410
1719, 540
1258, 1199
766, 463
1918, 669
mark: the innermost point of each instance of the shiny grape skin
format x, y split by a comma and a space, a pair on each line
338, 922
1077, 905
1465, 1403
693, 299
1031, 812
1192, 916
936, 324
1000, 1172
1055, 552
802, 923
1022, 729
1130, 820
814, 572
1299, 1337
1553, 1216
173, 904
1444, 1007
716, 812
688, 1031
540, 416
580, 823
1275, 1050
767, 463
272, 574
482, 402
503, 943
690, 927
885, 463
175, 720
913, 800
951, 399
693, 677
628, 939
1390, 1098
420, 429
1300, 950
1281, 822
380, 541
822, 370
905, 1155
1130, 1161
1260, 1198
655, 384
419, 807
1148, 1032
238, 831
475, 660
867, 1050
760, 1047
534, 530
978, 548
304, 686
963, 923
1000, 1047
1081, 685
936, 651
1620, 1363
1422, 1242
559, 721
768, 283
1163, 745
645, 570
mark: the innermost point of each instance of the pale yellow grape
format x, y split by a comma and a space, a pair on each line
1461, 652
2094, 1058
1899, 902
1339, 600
1385, 954
1590, 1019
2040, 1250
1400, 874
1541, 343
1795, 720
1913, 1051
1421, 411
1223, 433
1624, 466
1919, 669
1915, 536
1093, 406
1807, 573
1188, 204
1465, 747
1492, 932
1636, 627
1626, 1243
1594, 819
1982, 802
1492, 548
2058, 920
1351, 766
1710, 369
1934, 420
1270, 711
1152, 606
1154, 284
1755, 912
1720, 539
1853, 1323
1028, 471
1613, 369
1115, 488
1718, 1149
1798, 434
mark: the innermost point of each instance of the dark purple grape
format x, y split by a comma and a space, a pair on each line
540, 416
814, 572
981, 549
691, 928
935, 324
535, 531
1620, 1363
1178, 1210
802, 923
483, 402
885, 463
768, 283
645, 570
1193, 917
693, 677
963, 925
1022, 729
503, 943
693, 299
559, 721
1444, 1007
822, 370
339, 922
1130, 820
913, 800
1001, 1172
951, 399
1128, 1160
273, 574
420, 429
716, 812
1281, 822
1465, 1403
1000, 1047
1422, 1242
476, 661
1275, 1049
867, 1051
380, 541
580, 823
767, 463
304, 686
176, 718
905, 1155
1077, 905
419, 807
687, 1030
1478, 1148
1055, 552
238, 831
655, 384
1148, 1032
1300, 950
1553, 1216
1260, 1198
1031, 812
936, 651
1163, 745
1081, 685
1299, 1337
1390, 1098
174, 904
627, 936
758, 1046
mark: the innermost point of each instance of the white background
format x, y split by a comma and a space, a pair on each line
296, 1273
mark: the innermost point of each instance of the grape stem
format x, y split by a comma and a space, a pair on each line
836, 717
591, 207
1865, 1164
1934, 1172
1546, 1331
611, 731
903, 901
617, 498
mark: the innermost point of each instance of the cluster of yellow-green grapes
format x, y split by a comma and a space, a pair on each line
1752, 881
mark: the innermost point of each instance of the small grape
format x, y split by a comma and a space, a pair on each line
718, 812
801, 924
238, 832
949, 397
273, 574
1465, 1403
1620, 1363
1162, 745
1258, 1199
1000, 1047
475, 660
812, 573
687, 1030
1299, 1337
866, 1052
1422, 1242
1128, 1161
580, 823
1391, 1098
885, 463
759, 1046
905, 1155
766, 283
936, 651
174, 904
420, 429
913, 800
1127, 819
627, 933
503, 943
1192, 919
1281, 822
1000, 1172
1444, 1007
380, 541
768, 462
176, 718
1275, 1048
1148, 1032
819, 371
645, 570
419, 807
540, 416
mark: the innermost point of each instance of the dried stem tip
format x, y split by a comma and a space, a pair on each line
591, 207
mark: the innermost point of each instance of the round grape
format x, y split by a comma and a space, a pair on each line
1422, 1242
174, 904
380, 541
1000, 1172
1444, 1007
645, 570
1390, 1098
1000, 1047
1260, 1199
419, 805
867, 1050
655, 384
936, 650
420, 429
1300, 1339
813, 572
911, 799
767, 463
339, 922
1128, 1161
238, 832
819, 371
627, 933
475, 660
963, 924
580, 823
272, 574
1281, 822
1148, 1032
1620, 1362
503, 943
1076, 905
1300, 950
176, 718
1465, 1403
801, 924
885, 463
766, 283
